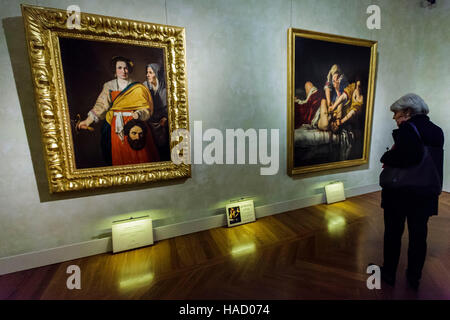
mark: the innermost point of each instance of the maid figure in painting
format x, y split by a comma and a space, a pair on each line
158, 121
120, 101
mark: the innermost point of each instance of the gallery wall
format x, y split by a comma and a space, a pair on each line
433, 74
237, 70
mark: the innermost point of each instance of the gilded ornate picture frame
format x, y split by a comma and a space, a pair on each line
331, 83
109, 94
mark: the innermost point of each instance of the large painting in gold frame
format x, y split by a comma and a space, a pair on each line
331, 83
75, 73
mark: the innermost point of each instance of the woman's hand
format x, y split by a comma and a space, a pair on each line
85, 124
401, 120
335, 125
163, 122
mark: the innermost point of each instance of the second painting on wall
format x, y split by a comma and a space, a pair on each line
109, 95
330, 100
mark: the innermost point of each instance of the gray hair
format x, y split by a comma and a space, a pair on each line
410, 101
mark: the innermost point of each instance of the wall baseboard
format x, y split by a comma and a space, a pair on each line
54, 255
89, 248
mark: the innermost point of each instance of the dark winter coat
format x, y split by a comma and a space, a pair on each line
408, 151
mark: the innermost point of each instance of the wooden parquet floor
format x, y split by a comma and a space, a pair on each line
320, 252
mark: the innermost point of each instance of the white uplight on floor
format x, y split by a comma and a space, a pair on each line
335, 192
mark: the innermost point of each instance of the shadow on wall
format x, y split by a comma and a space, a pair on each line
18, 53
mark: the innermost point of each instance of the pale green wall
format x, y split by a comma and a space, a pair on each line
433, 75
236, 67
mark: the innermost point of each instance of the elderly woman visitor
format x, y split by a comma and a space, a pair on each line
415, 205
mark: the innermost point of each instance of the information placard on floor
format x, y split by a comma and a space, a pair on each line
240, 212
